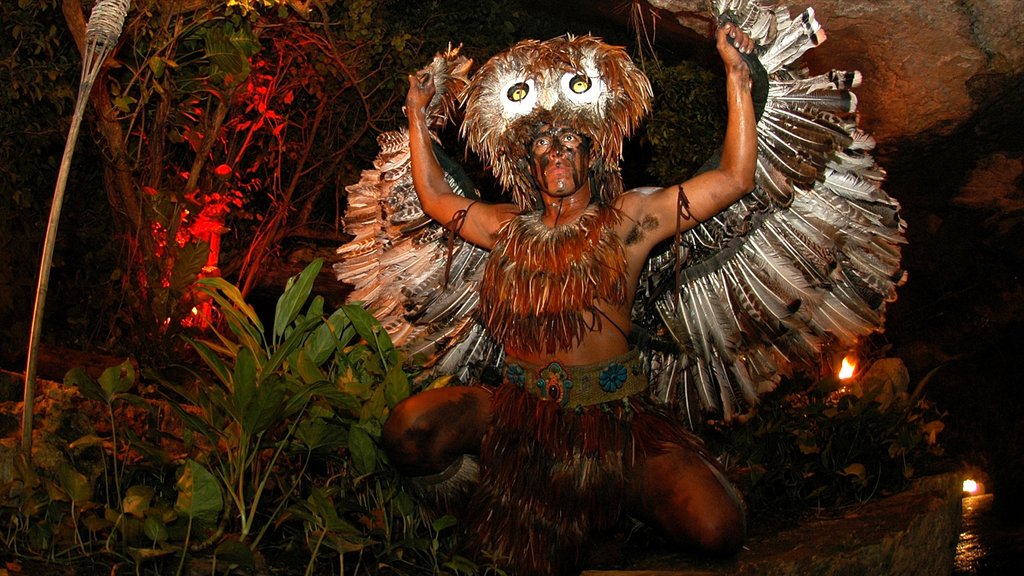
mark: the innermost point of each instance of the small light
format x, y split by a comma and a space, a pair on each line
849, 366
195, 311
970, 486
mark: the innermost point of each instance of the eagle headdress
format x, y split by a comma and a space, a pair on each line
579, 82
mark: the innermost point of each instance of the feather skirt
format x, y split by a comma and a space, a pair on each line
551, 479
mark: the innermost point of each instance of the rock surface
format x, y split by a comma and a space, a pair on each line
912, 533
927, 66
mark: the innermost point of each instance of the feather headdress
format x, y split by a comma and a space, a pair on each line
575, 81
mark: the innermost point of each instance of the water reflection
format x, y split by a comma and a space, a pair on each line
986, 547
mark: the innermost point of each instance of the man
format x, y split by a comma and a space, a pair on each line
567, 443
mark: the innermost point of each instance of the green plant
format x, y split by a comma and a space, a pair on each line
828, 443
279, 431
686, 127
313, 387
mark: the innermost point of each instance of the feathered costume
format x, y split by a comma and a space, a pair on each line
802, 266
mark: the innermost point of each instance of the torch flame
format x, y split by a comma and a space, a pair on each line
849, 366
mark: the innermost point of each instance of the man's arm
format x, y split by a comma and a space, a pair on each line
711, 192
478, 224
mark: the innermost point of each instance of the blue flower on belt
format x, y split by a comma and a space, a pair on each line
514, 374
612, 377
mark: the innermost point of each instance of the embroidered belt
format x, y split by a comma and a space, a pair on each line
578, 386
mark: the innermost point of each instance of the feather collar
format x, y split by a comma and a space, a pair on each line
541, 284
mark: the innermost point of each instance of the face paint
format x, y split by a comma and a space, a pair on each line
559, 158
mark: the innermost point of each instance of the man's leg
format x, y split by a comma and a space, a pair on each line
432, 436
689, 499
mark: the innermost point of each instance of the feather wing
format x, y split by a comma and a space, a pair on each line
421, 284
805, 263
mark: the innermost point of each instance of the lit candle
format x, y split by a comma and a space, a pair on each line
848, 368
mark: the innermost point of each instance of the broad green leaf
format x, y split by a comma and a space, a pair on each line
267, 407
86, 384
296, 292
323, 508
85, 441
375, 406
245, 378
350, 383
300, 394
75, 484
319, 502
370, 330
321, 435
405, 504
343, 401
154, 529
212, 360
327, 337
372, 426
343, 544
136, 500
291, 343
347, 334
218, 398
199, 494
117, 379
316, 307
396, 386
228, 50
137, 401
188, 263
229, 294
339, 401
306, 368
156, 64
225, 346
363, 450
446, 521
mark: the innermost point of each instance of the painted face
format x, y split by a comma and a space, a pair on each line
559, 158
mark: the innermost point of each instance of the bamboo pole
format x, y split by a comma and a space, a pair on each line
101, 35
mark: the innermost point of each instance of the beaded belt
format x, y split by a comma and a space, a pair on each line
578, 386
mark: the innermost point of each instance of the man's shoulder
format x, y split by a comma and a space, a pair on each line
641, 191
636, 202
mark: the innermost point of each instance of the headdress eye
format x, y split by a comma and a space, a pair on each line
579, 84
582, 87
518, 91
517, 97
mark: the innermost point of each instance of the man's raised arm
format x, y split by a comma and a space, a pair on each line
477, 222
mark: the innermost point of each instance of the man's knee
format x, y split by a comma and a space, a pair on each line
721, 531
691, 501
406, 437
426, 432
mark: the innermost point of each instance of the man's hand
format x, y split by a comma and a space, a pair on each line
731, 41
421, 90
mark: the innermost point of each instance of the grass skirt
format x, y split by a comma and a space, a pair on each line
552, 478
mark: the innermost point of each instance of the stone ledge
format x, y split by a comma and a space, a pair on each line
911, 533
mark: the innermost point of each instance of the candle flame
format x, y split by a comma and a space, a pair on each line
970, 486
849, 366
